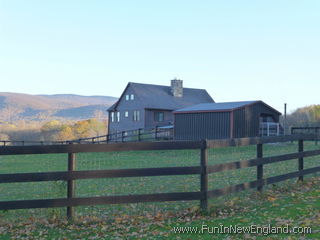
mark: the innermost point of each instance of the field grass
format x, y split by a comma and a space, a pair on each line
295, 205
138, 185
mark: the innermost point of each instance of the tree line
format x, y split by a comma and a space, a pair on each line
305, 117
53, 130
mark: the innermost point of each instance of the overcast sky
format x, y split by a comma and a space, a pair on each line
237, 50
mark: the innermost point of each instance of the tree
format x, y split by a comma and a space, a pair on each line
50, 130
82, 129
65, 133
4, 137
51, 125
97, 127
306, 116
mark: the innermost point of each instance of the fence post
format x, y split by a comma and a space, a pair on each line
300, 161
156, 133
122, 136
139, 134
291, 131
204, 176
259, 167
71, 183
317, 136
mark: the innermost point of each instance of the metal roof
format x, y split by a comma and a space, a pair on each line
160, 97
223, 106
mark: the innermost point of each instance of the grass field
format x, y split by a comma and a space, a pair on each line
140, 185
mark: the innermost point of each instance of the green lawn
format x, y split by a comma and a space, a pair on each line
296, 205
141, 185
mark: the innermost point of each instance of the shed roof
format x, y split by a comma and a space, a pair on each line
219, 107
160, 97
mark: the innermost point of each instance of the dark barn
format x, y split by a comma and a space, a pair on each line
226, 120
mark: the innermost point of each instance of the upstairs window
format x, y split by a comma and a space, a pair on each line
127, 97
112, 116
131, 97
126, 114
136, 115
159, 116
118, 117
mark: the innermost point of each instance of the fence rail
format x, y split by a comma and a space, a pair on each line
307, 130
203, 170
138, 135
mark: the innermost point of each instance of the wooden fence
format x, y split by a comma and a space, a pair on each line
137, 135
4, 143
307, 130
203, 170
141, 134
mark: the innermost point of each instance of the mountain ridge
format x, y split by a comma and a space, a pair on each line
22, 106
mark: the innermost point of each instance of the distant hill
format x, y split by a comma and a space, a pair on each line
19, 106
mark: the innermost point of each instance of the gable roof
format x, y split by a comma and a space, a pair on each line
160, 97
220, 107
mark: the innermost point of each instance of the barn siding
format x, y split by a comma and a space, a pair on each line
197, 126
239, 120
217, 125
247, 119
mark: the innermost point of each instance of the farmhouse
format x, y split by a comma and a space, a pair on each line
146, 106
226, 120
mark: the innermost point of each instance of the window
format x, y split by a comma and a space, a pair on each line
136, 115
159, 116
112, 116
118, 116
129, 97
126, 114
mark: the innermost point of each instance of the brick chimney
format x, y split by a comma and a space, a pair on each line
176, 88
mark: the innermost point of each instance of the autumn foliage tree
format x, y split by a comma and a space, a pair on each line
4, 137
57, 131
65, 133
306, 116
50, 130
